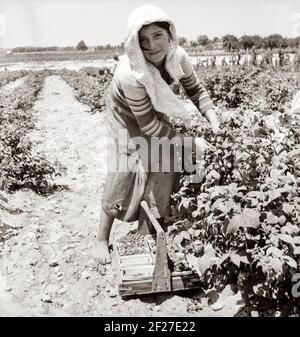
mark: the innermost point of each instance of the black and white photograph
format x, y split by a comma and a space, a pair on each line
150, 160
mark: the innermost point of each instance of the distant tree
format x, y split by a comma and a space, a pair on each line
274, 41
235, 45
296, 41
203, 40
81, 46
194, 44
215, 39
68, 48
33, 49
284, 42
247, 42
182, 41
259, 42
230, 42
18, 50
292, 42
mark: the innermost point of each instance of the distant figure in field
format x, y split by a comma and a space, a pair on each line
269, 56
224, 63
253, 60
287, 60
239, 58
213, 61
233, 60
296, 62
281, 57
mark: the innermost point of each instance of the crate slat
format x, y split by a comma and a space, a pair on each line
137, 272
128, 288
137, 259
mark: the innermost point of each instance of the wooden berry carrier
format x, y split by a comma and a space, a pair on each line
150, 273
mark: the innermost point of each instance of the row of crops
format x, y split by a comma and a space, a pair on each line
20, 166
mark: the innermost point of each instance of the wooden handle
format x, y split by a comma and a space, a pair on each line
161, 279
151, 217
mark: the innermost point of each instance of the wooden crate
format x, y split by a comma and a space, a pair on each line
150, 273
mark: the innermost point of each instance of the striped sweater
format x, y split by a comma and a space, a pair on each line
132, 98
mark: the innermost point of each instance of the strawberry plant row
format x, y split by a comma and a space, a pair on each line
20, 167
90, 85
9, 76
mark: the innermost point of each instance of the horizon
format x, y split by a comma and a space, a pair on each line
116, 46
49, 23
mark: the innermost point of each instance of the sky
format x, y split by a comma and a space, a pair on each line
99, 22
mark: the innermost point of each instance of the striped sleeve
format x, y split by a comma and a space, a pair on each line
191, 84
141, 107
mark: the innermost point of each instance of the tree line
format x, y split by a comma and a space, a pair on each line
81, 46
228, 42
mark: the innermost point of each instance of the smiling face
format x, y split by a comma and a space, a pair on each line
154, 42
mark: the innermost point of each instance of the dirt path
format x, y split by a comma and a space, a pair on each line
48, 269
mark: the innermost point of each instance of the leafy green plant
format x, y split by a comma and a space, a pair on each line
249, 87
20, 167
9, 76
90, 85
246, 211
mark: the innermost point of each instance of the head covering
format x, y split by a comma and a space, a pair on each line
161, 95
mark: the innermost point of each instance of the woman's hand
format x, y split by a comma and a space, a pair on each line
213, 120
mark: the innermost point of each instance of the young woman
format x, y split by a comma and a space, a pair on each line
140, 98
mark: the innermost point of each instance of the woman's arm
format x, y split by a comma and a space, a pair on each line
140, 105
196, 92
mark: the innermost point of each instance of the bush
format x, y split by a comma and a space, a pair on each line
81, 46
